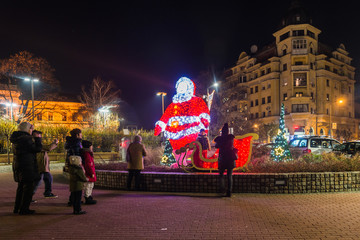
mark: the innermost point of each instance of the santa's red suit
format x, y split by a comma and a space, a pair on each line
185, 117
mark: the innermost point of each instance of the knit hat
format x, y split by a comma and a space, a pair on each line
225, 129
86, 144
24, 127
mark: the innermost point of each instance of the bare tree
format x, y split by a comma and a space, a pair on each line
100, 94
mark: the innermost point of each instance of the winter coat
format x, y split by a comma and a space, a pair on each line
24, 163
225, 144
204, 141
73, 147
43, 158
89, 165
77, 177
137, 152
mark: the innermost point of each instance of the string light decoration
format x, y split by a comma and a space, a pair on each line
242, 143
280, 150
184, 117
168, 157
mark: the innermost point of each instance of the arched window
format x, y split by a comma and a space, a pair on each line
322, 132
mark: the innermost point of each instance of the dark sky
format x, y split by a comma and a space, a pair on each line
145, 46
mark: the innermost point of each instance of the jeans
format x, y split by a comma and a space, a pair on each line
23, 196
229, 179
76, 200
137, 175
47, 177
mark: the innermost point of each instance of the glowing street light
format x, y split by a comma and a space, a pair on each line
340, 101
32, 80
209, 96
162, 94
11, 105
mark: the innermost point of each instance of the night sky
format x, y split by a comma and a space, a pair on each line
145, 46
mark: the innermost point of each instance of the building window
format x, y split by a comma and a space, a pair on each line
298, 33
300, 80
284, 36
269, 85
39, 117
251, 104
269, 113
284, 51
327, 68
299, 94
268, 70
310, 34
251, 90
256, 102
327, 111
263, 100
285, 97
327, 82
256, 89
300, 108
262, 72
50, 116
327, 97
263, 88
299, 44
311, 64
284, 67
64, 117
263, 114
256, 115
312, 95
269, 99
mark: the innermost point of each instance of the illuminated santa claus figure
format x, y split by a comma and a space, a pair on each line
184, 117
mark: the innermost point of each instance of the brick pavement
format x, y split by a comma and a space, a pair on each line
147, 215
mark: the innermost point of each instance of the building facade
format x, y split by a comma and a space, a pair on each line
315, 82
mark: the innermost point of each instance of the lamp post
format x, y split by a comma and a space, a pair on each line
104, 110
208, 96
32, 80
162, 94
330, 113
11, 105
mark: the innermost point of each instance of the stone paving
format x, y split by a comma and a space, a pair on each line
151, 215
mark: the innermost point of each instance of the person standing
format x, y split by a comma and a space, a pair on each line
89, 166
204, 141
43, 163
227, 157
77, 178
25, 166
73, 147
135, 158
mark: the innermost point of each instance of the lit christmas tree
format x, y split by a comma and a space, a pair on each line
168, 157
280, 150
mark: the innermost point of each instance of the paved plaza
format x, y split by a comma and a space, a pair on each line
150, 215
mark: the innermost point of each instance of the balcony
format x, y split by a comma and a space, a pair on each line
300, 68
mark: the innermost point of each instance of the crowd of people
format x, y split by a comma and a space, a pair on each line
31, 165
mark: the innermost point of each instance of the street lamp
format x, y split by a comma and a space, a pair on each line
32, 80
162, 94
209, 97
340, 101
104, 110
11, 105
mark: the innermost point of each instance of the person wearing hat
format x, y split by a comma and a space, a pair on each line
204, 141
89, 166
25, 166
226, 160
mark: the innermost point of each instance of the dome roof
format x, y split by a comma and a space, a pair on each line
295, 15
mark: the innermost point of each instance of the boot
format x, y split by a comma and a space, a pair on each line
90, 200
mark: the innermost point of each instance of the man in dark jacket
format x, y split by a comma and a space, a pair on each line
25, 166
225, 144
73, 147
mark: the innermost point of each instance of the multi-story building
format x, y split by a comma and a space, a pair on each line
314, 82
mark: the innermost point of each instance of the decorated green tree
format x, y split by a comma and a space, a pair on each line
168, 157
280, 150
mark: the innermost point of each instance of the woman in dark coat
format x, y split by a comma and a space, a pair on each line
227, 157
25, 166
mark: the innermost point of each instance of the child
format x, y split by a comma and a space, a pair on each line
89, 166
77, 177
